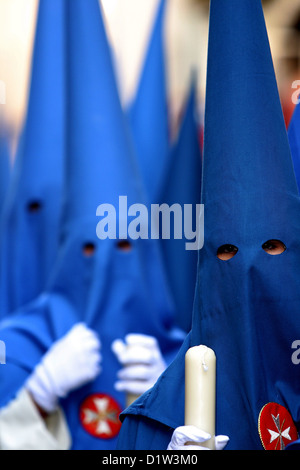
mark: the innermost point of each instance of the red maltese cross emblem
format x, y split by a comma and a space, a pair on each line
276, 427
99, 416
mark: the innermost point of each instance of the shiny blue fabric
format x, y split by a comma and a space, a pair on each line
246, 309
294, 139
148, 113
29, 234
113, 292
182, 185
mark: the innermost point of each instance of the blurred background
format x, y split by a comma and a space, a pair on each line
129, 24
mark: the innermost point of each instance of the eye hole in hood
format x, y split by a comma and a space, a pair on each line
274, 247
88, 249
34, 206
124, 246
226, 252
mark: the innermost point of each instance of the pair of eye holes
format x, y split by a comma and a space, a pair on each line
89, 249
272, 247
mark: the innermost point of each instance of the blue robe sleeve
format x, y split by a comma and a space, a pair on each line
141, 433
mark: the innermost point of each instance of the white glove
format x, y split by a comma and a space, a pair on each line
142, 360
69, 364
191, 434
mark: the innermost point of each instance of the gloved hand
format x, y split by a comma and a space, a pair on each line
190, 434
70, 363
142, 360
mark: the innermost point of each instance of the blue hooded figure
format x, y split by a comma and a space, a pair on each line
294, 139
30, 223
148, 113
247, 295
114, 286
181, 187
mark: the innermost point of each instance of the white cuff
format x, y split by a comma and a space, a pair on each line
23, 428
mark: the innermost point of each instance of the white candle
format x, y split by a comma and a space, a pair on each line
200, 391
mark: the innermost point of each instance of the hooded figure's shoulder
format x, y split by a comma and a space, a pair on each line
148, 424
141, 433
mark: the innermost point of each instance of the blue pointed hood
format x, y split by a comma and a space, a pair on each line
182, 185
114, 292
100, 161
294, 139
256, 142
148, 113
246, 307
30, 226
